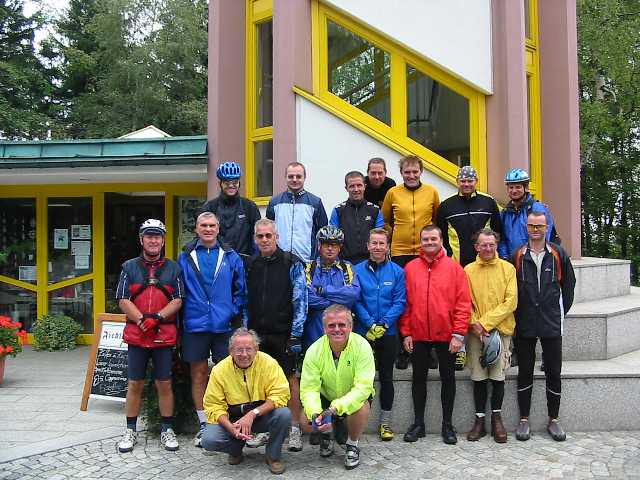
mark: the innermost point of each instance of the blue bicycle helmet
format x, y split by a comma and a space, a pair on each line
228, 171
516, 175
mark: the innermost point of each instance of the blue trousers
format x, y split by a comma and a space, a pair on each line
216, 438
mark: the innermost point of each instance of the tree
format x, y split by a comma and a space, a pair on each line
26, 89
609, 61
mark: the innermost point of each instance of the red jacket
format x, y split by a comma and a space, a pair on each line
438, 299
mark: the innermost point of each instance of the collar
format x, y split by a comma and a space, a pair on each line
354, 203
153, 263
546, 248
297, 194
474, 194
201, 246
412, 189
375, 265
229, 199
438, 256
493, 261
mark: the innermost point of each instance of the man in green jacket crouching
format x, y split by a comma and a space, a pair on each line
337, 383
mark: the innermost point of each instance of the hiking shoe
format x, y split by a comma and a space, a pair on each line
385, 432
231, 460
415, 432
258, 440
352, 458
523, 432
129, 439
295, 439
449, 434
197, 440
169, 441
326, 445
556, 431
275, 466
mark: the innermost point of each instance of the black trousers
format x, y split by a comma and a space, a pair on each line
446, 365
385, 349
552, 351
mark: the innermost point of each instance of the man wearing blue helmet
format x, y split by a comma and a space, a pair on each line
236, 214
514, 215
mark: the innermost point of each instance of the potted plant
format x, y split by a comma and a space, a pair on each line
11, 338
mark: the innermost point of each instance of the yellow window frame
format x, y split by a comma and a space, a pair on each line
41, 193
257, 12
395, 134
532, 71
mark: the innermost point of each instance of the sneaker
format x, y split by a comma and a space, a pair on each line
258, 440
169, 441
523, 432
295, 439
326, 445
556, 431
352, 458
197, 440
231, 460
129, 439
275, 466
415, 432
385, 432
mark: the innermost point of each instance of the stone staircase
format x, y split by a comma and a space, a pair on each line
601, 368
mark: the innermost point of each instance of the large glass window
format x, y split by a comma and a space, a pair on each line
70, 238
359, 72
18, 304
187, 209
264, 74
18, 238
75, 301
437, 117
527, 19
264, 168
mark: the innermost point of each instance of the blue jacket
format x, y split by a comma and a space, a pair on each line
211, 310
382, 296
514, 225
326, 286
298, 216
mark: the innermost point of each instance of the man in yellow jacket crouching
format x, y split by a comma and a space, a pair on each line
494, 292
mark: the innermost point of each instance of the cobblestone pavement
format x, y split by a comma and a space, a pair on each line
583, 455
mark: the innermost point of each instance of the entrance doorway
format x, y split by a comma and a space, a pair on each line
124, 213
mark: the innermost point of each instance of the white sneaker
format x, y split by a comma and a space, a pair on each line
169, 441
258, 440
129, 439
197, 440
295, 439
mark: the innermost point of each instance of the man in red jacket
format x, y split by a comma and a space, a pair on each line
437, 316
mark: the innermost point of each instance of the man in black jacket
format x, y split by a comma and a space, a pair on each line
236, 214
356, 217
277, 310
377, 184
545, 294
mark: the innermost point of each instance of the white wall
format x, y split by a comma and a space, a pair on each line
330, 147
455, 34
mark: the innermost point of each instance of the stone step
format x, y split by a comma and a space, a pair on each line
603, 329
600, 395
600, 278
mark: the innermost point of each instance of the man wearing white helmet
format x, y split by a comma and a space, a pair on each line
150, 293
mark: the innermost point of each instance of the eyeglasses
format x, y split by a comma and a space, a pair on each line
486, 245
231, 183
264, 235
243, 350
533, 227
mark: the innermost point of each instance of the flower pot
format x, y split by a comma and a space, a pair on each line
2, 359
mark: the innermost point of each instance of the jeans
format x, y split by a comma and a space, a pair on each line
216, 438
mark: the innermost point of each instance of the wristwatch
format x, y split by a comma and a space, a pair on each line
256, 412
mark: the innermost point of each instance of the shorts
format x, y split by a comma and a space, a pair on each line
138, 358
275, 345
199, 346
494, 372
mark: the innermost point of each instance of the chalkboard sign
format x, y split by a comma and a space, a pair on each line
107, 369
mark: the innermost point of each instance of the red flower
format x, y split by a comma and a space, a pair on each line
8, 349
1, 349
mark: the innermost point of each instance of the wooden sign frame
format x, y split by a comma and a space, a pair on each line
103, 317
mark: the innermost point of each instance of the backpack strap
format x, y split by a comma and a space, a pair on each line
151, 281
556, 260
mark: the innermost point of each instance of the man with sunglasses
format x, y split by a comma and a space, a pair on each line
299, 214
236, 214
277, 310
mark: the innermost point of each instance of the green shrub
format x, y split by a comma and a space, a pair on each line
55, 332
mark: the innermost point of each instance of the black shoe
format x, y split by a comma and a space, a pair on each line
402, 362
340, 431
415, 432
449, 434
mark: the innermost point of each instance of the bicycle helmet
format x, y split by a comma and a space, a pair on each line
467, 172
153, 227
330, 234
516, 175
228, 171
491, 349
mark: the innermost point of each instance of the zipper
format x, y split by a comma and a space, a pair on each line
428, 290
293, 217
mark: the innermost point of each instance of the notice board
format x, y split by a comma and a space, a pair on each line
106, 376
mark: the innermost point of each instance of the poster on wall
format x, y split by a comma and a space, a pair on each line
27, 273
81, 262
81, 248
81, 232
60, 238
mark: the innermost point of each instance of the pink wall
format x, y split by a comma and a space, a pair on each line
291, 67
226, 107
507, 135
560, 118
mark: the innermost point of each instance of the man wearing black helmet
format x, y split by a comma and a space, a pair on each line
236, 214
150, 293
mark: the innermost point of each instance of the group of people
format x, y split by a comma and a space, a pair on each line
297, 311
